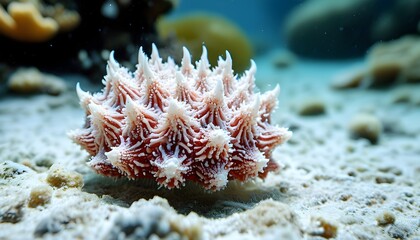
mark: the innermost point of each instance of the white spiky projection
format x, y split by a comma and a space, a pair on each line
177, 123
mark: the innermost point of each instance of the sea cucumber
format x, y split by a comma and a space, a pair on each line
177, 123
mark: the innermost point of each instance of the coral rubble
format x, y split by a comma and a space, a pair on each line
182, 123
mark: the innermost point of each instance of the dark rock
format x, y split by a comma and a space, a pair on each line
12, 215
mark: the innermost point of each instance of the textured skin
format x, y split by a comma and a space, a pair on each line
182, 123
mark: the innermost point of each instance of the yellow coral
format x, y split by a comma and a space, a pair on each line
217, 33
24, 22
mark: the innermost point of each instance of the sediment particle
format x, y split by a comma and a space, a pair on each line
385, 219
345, 197
58, 177
40, 196
384, 179
326, 229
330, 230
367, 126
12, 215
312, 108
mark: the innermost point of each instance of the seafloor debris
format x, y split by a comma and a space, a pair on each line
311, 107
385, 218
367, 126
58, 177
39, 196
183, 123
31, 80
13, 214
387, 63
323, 228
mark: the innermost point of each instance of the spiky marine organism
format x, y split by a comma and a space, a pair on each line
174, 123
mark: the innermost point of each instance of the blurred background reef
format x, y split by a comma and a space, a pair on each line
75, 36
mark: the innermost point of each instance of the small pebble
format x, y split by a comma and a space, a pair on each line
384, 179
311, 108
58, 177
328, 230
39, 196
385, 219
12, 215
366, 126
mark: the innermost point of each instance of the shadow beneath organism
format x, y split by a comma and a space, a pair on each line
236, 197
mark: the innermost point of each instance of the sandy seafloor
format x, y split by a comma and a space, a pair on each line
329, 185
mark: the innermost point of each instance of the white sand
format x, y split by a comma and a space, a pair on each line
328, 180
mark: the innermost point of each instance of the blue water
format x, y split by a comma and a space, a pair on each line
334, 33
261, 20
